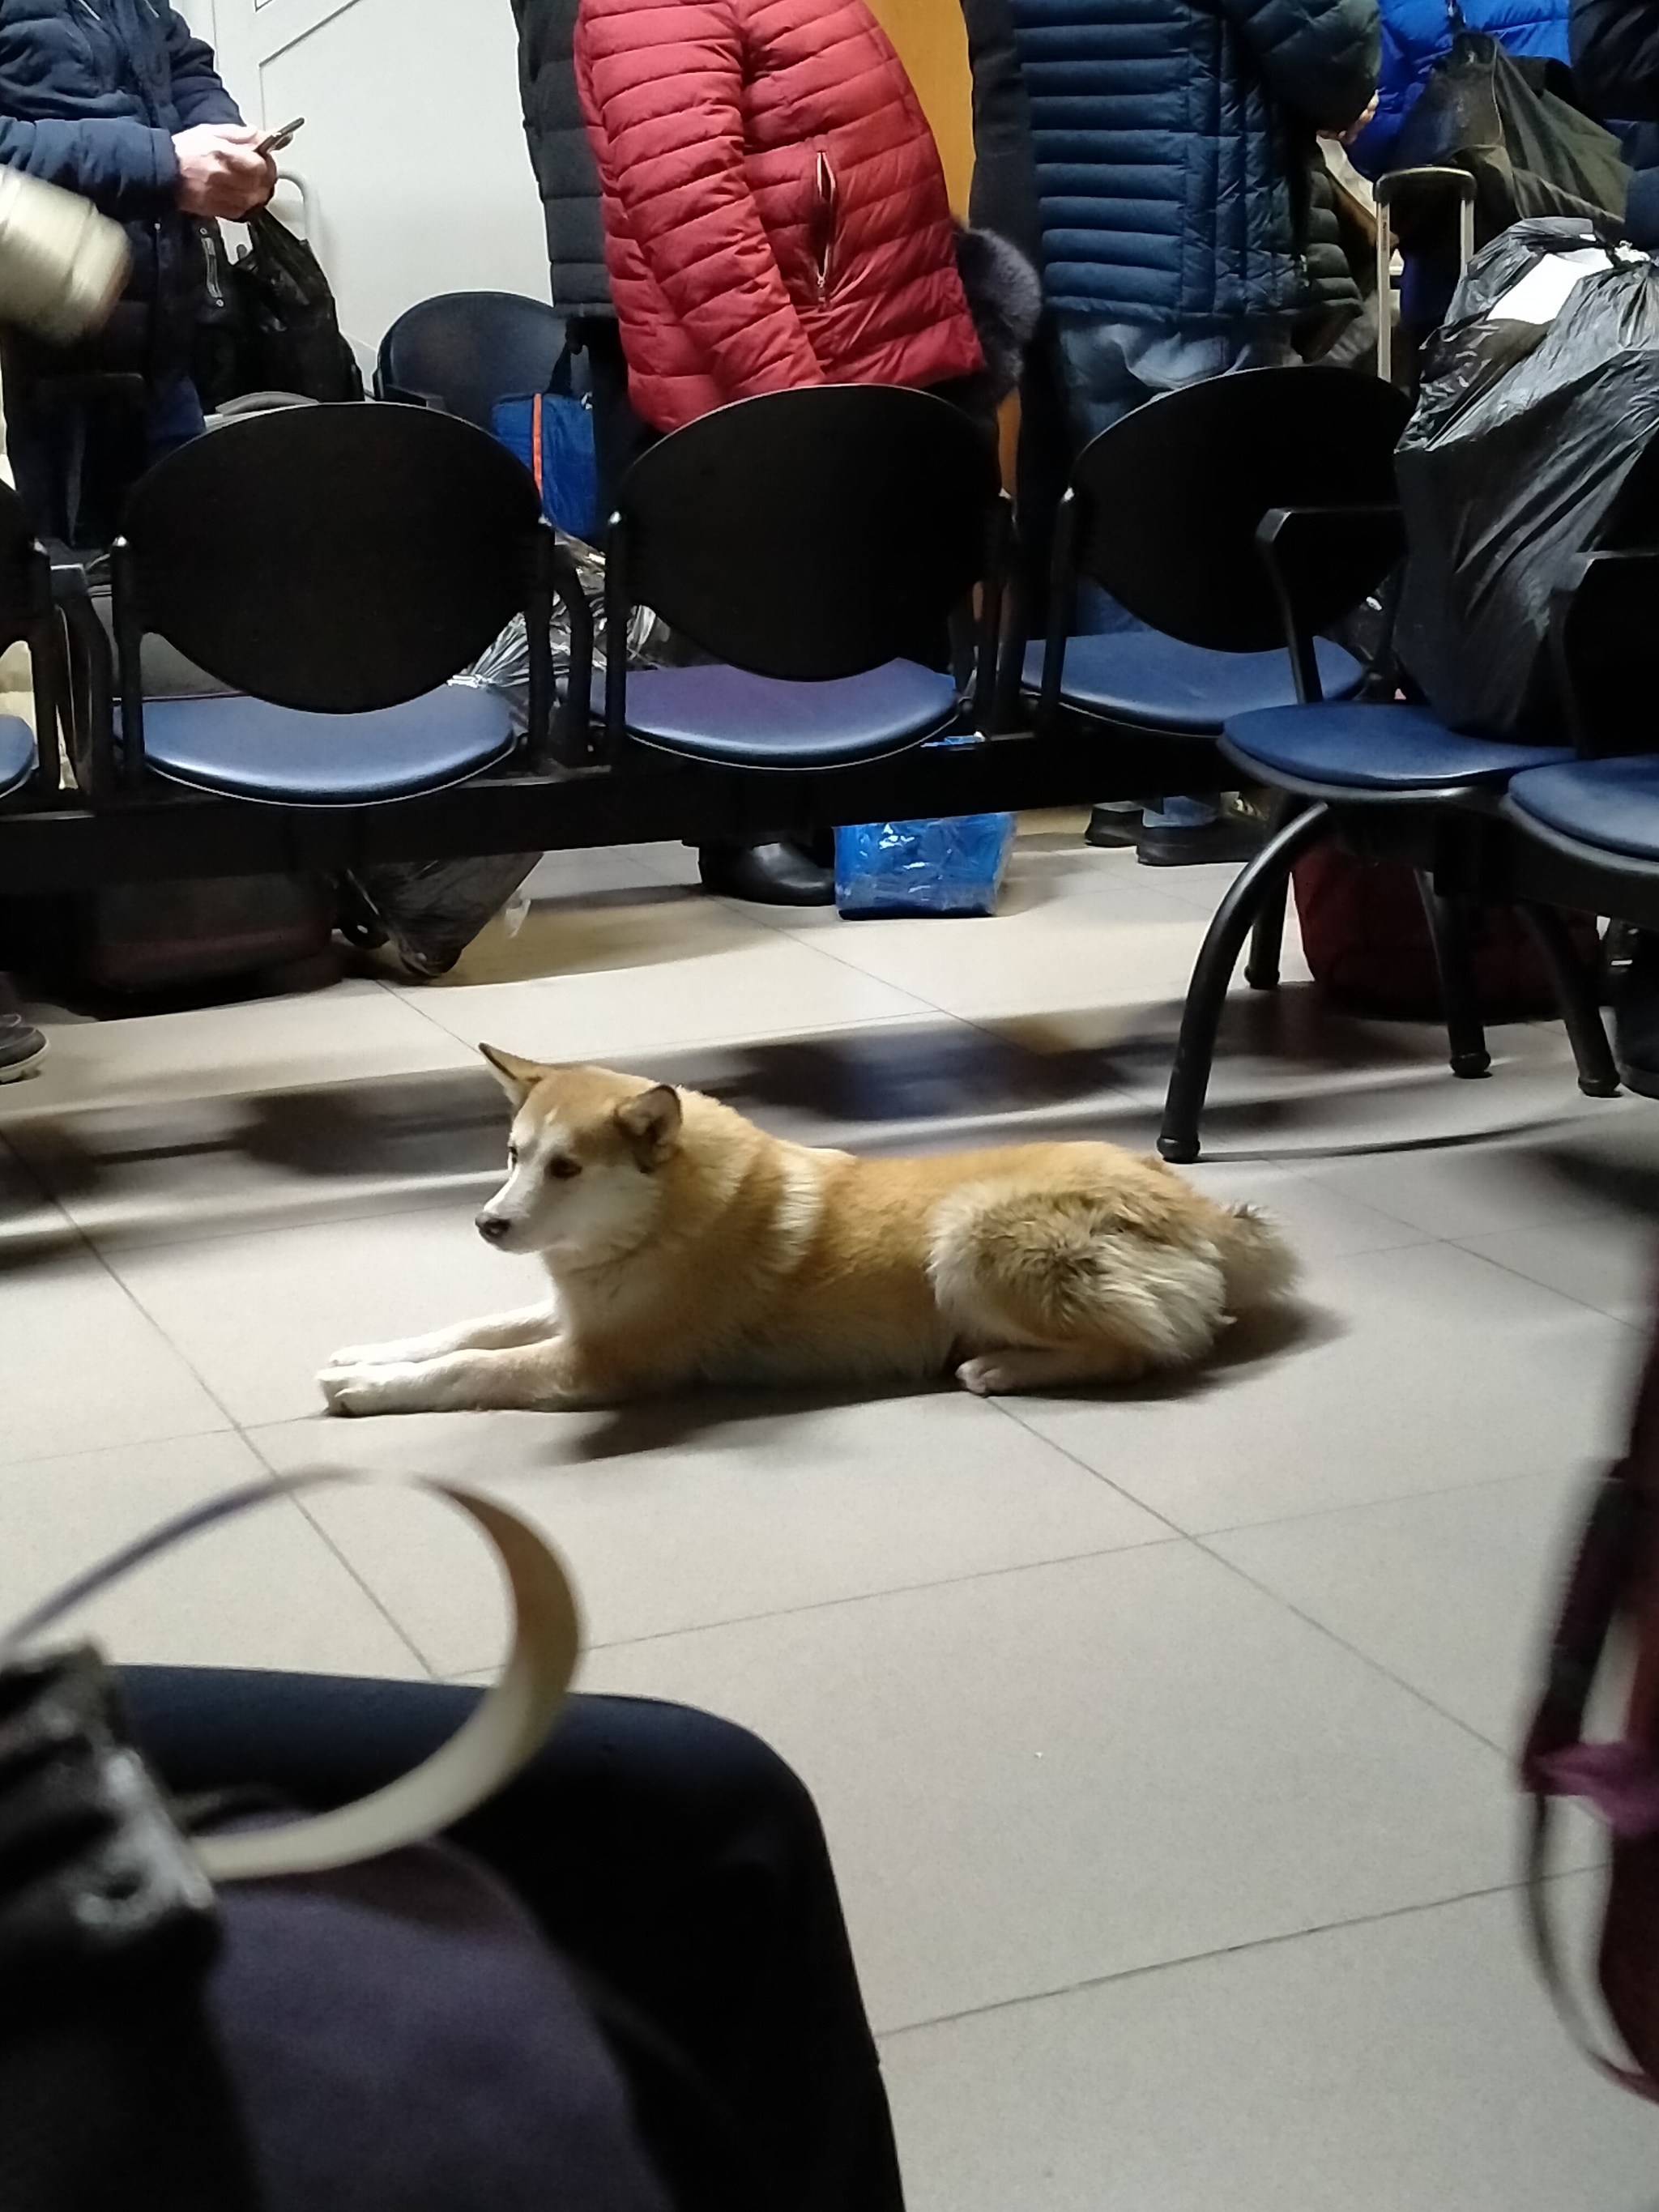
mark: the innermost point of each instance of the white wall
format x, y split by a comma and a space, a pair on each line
413, 145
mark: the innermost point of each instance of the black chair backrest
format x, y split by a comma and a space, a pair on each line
332, 558
813, 533
23, 588
468, 349
1171, 498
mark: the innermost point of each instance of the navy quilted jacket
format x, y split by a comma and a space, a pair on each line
91, 93
1179, 179
1615, 62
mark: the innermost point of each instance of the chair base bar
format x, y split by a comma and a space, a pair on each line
165, 835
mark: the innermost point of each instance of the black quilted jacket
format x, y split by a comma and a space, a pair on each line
1178, 181
560, 154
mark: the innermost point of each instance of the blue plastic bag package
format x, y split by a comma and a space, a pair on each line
954, 866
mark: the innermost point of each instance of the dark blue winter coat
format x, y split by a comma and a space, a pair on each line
1615, 64
91, 93
1416, 33
1179, 179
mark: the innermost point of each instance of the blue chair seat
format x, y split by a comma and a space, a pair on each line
1141, 676
1611, 804
16, 753
247, 749
1379, 749
718, 712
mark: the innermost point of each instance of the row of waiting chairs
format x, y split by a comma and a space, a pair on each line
333, 567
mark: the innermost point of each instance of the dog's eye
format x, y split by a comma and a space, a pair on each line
564, 1168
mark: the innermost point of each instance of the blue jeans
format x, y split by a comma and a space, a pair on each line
1107, 368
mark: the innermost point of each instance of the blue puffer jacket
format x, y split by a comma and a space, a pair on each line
1416, 33
1179, 179
91, 93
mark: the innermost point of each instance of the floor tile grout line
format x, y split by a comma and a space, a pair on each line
304, 1505
79, 1235
1377, 1666
1519, 1275
875, 1596
1251, 1944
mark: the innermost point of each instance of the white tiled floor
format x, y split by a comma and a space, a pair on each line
1163, 1742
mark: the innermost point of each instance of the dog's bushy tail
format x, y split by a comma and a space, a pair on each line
1256, 1263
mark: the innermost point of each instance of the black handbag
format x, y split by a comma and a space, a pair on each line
1512, 125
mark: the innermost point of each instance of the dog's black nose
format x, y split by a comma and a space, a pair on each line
492, 1226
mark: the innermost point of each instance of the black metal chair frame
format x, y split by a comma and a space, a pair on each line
1444, 834
123, 824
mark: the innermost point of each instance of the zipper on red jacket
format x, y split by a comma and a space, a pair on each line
823, 228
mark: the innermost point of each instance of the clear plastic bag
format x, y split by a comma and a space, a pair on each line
505, 666
952, 866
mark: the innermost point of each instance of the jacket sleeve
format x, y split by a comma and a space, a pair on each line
661, 90
1615, 57
127, 170
198, 93
1319, 56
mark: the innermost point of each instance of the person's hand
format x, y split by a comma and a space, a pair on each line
220, 171
1359, 124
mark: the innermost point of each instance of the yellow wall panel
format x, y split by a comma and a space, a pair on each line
933, 47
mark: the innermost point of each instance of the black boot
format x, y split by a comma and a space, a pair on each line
781, 874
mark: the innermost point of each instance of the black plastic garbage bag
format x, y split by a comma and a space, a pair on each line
1525, 448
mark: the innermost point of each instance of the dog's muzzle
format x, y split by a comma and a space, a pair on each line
493, 1227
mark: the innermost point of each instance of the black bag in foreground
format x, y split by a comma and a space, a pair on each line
1507, 121
1525, 449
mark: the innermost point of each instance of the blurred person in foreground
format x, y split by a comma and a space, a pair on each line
116, 101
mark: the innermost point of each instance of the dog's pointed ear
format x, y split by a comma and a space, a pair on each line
518, 1078
652, 1123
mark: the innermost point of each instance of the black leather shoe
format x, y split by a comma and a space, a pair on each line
1229, 837
769, 875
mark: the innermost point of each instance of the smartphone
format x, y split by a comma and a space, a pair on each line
278, 139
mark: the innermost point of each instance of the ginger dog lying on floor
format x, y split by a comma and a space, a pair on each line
686, 1245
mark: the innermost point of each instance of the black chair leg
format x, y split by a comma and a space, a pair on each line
1206, 993
1598, 1076
1449, 934
1268, 937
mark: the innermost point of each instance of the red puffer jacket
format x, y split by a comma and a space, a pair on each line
774, 211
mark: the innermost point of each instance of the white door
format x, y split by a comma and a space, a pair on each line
413, 151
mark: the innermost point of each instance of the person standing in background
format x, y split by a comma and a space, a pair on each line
1416, 35
570, 186
115, 99
1184, 215
782, 873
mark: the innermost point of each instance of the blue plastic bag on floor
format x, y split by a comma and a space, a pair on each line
953, 866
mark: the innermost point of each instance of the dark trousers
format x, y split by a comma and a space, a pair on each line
672, 1859
74, 459
620, 436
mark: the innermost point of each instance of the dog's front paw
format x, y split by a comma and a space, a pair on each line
366, 1355
368, 1389
986, 1378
